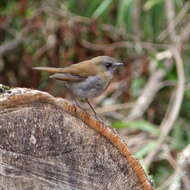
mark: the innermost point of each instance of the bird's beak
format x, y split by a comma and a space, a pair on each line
118, 64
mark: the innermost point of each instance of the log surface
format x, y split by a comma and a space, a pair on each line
44, 144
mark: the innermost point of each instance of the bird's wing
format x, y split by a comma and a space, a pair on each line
67, 77
82, 69
60, 75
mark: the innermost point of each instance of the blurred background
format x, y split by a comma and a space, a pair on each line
148, 102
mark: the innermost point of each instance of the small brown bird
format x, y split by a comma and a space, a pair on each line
86, 79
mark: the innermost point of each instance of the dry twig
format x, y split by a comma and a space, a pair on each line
8, 46
152, 87
175, 21
183, 162
122, 44
115, 107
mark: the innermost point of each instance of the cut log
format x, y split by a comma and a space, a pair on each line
49, 143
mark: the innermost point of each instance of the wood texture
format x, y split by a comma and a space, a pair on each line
49, 143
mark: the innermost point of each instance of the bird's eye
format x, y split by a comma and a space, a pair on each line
108, 65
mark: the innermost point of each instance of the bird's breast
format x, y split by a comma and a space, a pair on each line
90, 87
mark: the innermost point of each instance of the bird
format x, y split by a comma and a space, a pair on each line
86, 79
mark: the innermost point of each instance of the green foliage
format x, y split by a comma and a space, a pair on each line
92, 7
180, 135
7, 7
151, 4
124, 13
146, 149
162, 171
101, 8
136, 86
140, 125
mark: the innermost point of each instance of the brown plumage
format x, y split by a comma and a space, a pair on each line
87, 78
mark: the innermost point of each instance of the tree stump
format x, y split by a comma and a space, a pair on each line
47, 143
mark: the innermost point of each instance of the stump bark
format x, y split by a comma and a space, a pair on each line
47, 143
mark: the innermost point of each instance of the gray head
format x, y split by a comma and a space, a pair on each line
109, 63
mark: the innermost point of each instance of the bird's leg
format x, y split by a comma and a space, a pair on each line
95, 114
91, 107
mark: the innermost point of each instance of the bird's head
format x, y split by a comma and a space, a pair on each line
107, 64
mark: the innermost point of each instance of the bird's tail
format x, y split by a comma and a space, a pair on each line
48, 69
